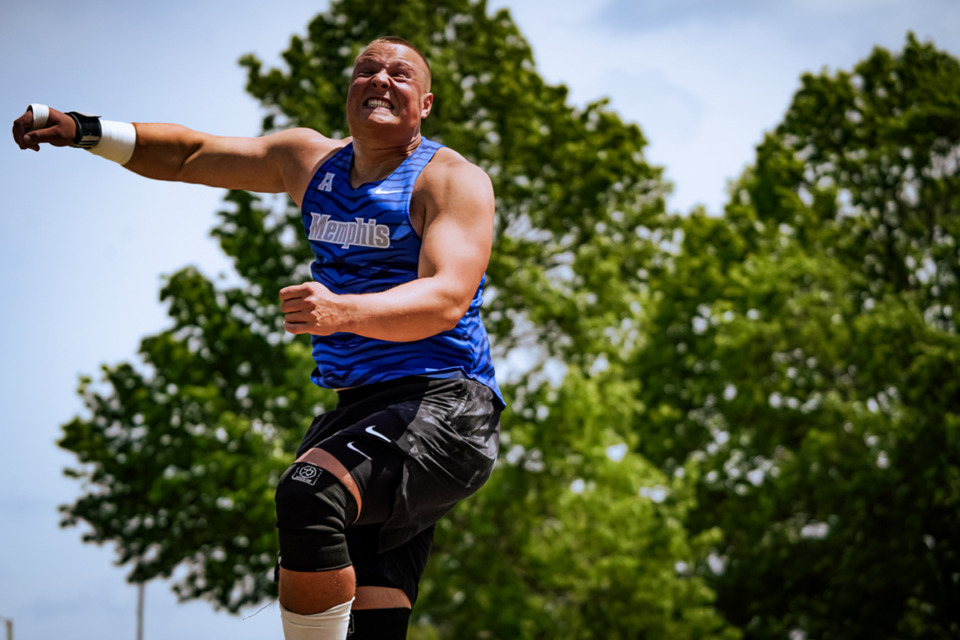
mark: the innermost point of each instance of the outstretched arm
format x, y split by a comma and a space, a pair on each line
279, 162
274, 163
458, 205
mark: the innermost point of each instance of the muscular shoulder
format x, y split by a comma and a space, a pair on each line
301, 143
450, 174
299, 152
448, 164
452, 186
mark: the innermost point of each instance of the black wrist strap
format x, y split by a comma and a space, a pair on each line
88, 129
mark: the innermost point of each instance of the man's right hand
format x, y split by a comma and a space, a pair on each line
59, 130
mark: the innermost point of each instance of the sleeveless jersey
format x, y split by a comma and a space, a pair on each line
364, 243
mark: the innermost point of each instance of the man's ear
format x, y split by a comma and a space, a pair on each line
427, 105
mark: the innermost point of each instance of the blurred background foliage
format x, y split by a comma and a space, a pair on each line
745, 425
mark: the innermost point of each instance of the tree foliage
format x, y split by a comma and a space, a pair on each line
180, 455
803, 351
576, 535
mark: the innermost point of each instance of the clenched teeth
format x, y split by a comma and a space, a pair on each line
377, 102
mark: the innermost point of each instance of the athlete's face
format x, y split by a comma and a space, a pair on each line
390, 85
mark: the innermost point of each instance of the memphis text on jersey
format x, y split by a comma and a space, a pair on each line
358, 232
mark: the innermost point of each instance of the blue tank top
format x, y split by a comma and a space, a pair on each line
364, 243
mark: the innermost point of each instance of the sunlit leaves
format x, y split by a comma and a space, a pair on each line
801, 352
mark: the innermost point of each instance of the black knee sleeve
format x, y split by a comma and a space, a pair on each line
313, 511
380, 624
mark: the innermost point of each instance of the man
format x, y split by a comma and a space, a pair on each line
402, 231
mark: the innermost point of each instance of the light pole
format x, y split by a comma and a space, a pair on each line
140, 591
8, 623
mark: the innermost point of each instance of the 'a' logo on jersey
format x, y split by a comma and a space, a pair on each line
327, 183
359, 232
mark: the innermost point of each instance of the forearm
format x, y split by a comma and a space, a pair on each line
173, 152
408, 312
411, 311
162, 151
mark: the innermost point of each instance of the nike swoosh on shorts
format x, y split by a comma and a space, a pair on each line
353, 447
372, 431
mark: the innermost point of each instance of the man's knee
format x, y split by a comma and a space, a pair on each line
313, 511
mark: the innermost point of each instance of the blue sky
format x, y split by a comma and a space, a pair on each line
84, 245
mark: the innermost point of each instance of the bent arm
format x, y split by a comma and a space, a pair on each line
457, 239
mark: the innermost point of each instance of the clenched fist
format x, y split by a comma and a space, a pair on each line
311, 308
59, 130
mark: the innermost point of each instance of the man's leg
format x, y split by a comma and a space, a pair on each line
387, 583
302, 592
316, 501
380, 613
376, 445
309, 592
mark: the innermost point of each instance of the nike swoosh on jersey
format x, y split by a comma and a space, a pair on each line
380, 192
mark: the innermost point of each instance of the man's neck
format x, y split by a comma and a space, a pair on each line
374, 160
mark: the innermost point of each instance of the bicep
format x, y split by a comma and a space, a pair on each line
458, 233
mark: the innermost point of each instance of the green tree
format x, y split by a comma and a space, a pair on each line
803, 351
576, 536
181, 454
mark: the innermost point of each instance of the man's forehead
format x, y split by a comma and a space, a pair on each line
388, 52
396, 53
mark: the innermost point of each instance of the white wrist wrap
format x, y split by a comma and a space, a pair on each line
117, 141
40, 114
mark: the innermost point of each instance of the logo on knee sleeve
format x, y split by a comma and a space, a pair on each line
306, 473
